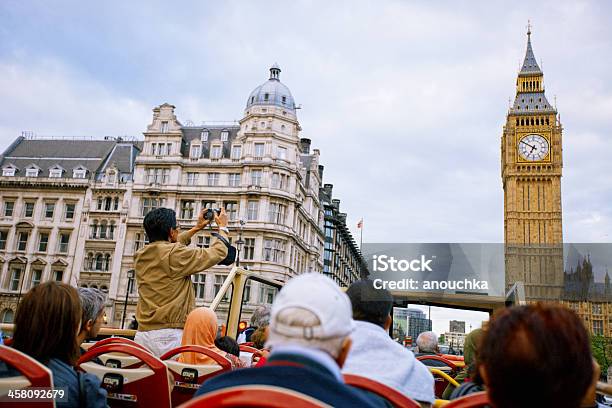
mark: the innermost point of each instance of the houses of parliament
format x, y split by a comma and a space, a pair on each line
531, 170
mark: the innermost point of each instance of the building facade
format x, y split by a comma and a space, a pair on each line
417, 324
456, 326
258, 169
342, 260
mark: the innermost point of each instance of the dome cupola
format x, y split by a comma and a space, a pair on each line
272, 92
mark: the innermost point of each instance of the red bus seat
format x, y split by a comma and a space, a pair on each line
249, 349
33, 374
395, 397
146, 386
118, 360
423, 359
247, 353
189, 377
255, 396
476, 400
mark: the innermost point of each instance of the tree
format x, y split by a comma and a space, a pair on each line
602, 351
441, 339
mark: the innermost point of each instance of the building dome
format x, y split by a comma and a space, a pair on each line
272, 92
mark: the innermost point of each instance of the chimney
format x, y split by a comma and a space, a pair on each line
305, 145
321, 167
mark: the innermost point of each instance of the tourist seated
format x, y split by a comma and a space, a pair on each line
46, 326
375, 355
259, 338
163, 274
536, 356
309, 337
468, 378
427, 345
260, 319
92, 302
231, 347
201, 330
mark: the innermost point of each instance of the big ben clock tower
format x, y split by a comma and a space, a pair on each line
531, 163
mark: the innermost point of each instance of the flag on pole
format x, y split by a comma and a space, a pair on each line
360, 224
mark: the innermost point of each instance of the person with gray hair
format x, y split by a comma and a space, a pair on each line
427, 345
92, 302
309, 336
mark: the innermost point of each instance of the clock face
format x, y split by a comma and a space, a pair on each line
533, 147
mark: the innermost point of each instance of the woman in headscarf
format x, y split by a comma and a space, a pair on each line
468, 377
201, 329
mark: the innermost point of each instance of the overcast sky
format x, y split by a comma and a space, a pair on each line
405, 100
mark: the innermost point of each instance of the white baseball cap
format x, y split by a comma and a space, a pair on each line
321, 296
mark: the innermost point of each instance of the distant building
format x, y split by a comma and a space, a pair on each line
342, 259
417, 323
455, 340
456, 326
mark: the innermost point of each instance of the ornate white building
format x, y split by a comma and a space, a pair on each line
89, 199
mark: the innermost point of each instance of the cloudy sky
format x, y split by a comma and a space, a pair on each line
405, 100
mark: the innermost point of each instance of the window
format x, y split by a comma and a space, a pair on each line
158, 176
203, 241
3, 238
9, 206
256, 177
187, 209
281, 153
15, 278
204, 135
218, 283
195, 152
274, 251
58, 275
224, 135
22, 241
55, 172
259, 150
43, 241
49, 210
32, 172
267, 294
168, 149
231, 208
69, 211
249, 249
199, 285
234, 180
598, 327
28, 210
63, 242
208, 204
596, 308
36, 277
279, 181
213, 179
192, 179
236, 152
246, 296
252, 210
7, 316
276, 213
215, 152
149, 204
164, 127
8, 171
140, 240
79, 173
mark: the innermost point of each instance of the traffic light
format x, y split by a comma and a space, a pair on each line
242, 326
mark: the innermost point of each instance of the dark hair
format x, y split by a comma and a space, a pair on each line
228, 344
47, 322
158, 222
370, 304
536, 355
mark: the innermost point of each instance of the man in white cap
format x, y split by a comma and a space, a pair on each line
309, 335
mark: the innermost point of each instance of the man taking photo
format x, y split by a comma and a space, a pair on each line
163, 274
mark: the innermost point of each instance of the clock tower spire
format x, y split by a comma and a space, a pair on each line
531, 168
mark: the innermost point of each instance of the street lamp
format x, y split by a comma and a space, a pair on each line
130, 282
239, 242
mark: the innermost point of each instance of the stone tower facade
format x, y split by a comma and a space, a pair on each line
531, 169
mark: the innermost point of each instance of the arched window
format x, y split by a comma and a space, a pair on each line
531, 121
89, 261
111, 230
94, 286
522, 122
94, 229
103, 227
100, 203
537, 119
547, 122
99, 262
107, 262
7, 316
107, 204
116, 204
104, 288
517, 122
